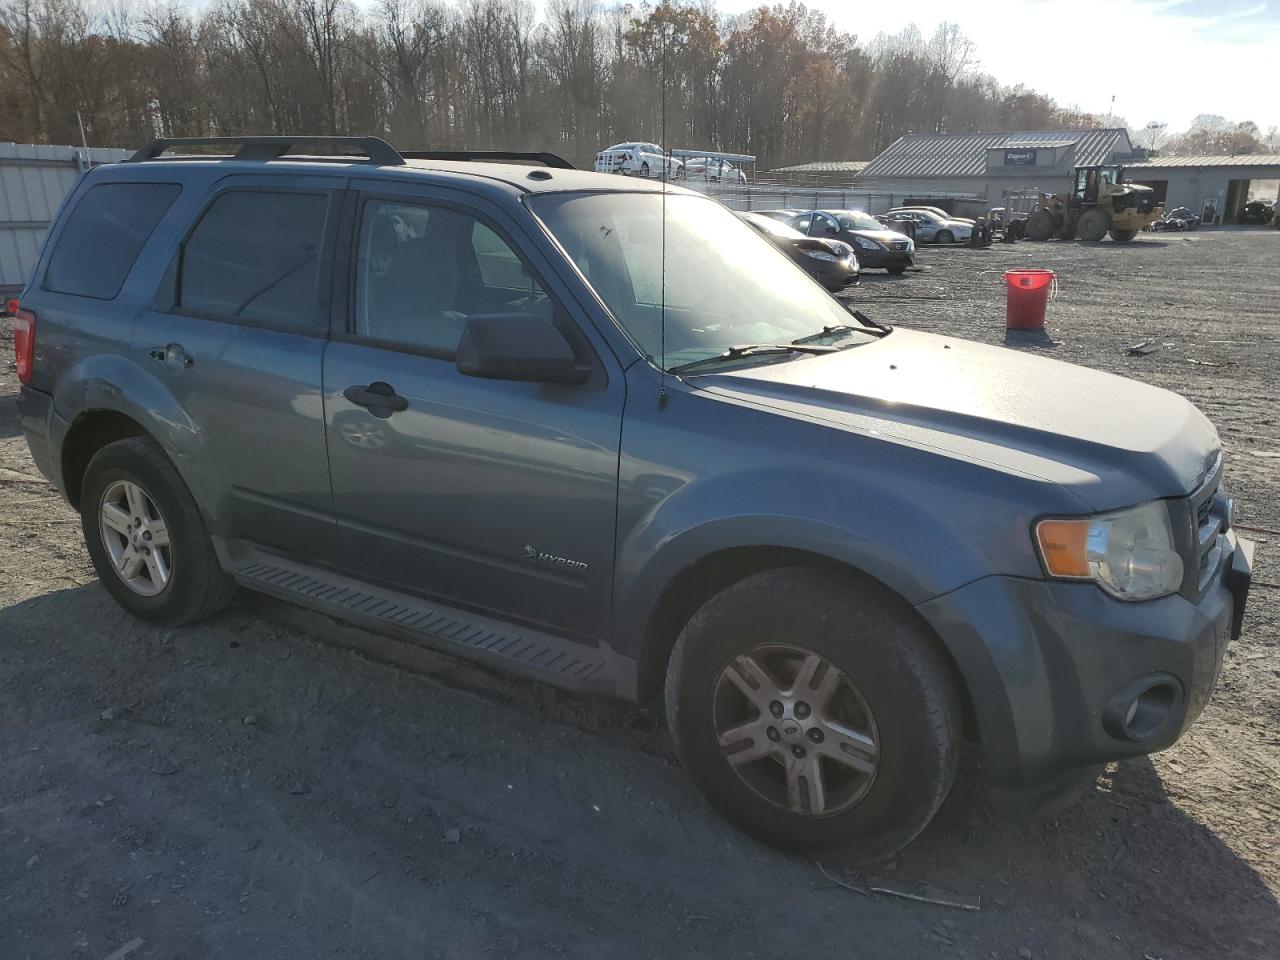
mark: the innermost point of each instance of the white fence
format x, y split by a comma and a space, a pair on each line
33, 180
764, 195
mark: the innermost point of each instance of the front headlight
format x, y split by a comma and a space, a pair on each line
866, 244
822, 255
1129, 553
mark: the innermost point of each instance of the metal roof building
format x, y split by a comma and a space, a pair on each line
1215, 188
834, 173
820, 173
989, 166
33, 180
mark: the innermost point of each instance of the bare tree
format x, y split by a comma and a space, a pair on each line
779, 81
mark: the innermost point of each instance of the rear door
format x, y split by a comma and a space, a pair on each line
237, 334
489, 494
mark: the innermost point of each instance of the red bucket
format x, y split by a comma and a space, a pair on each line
1028, 297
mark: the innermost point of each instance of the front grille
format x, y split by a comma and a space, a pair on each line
898, 245
1209, 509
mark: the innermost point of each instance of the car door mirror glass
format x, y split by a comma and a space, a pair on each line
517, 346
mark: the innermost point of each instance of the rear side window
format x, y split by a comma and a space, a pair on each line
254, 256
103, 237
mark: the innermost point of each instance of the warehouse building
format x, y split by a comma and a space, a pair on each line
33, 180
1215, 188
986, 169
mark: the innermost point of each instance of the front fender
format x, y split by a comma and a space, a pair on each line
645, 569
699, 476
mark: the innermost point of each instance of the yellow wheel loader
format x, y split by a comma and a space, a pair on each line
1101, 203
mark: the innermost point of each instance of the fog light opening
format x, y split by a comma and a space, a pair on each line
1143, 708
1149, 711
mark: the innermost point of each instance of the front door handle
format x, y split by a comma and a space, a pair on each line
379, 398
173, 354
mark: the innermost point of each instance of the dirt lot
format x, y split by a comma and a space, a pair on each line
253, 787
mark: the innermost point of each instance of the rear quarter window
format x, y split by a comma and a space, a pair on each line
103, 236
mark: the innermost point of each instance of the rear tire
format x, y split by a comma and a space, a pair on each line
876, 685
1123, 236
1039, 225
644, 169
132, 491
897, 271
1093, 225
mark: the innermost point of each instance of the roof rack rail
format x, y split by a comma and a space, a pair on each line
546, 159
377, 150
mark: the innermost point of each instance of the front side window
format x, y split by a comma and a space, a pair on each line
104, 235
723, 284
255, 257
422, 270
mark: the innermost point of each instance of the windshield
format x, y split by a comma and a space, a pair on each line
725, 285
857, 220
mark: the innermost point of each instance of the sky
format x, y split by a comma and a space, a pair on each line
1162, 60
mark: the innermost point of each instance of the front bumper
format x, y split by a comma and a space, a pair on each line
885, 259
833, 276
1052, 668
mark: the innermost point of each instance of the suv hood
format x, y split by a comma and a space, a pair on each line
1112, 441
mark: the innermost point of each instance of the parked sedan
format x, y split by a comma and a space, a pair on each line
937, 211
875, 246
713, 170
638, 159
931, 228
831, 262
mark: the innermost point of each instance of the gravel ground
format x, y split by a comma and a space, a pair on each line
272, 784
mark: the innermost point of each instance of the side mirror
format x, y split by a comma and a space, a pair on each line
830, 231
517, 346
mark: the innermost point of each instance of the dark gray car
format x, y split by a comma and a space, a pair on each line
876, 246
555, 422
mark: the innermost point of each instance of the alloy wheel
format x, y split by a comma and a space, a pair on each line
796, 730
136, 537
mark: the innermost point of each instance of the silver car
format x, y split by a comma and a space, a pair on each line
933, 228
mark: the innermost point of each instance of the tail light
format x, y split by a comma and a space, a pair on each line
24, 340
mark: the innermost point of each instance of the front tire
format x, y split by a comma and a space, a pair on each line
1039, 225
146, 538
1093, 225
1123, 236
814, 713
644, 169
945, 236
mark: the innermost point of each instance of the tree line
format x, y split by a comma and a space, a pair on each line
780, 82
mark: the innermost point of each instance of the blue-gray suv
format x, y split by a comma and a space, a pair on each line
598, 432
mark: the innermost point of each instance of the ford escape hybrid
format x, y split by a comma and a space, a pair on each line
438, 397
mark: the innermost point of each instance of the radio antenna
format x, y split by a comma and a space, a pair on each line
662, 246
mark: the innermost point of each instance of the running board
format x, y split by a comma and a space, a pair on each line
541, 656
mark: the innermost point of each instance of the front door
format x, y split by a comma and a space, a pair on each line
489, 494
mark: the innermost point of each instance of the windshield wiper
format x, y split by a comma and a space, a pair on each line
751, 350
871, 328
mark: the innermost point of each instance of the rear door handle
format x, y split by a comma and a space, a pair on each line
379, 398
172, 354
